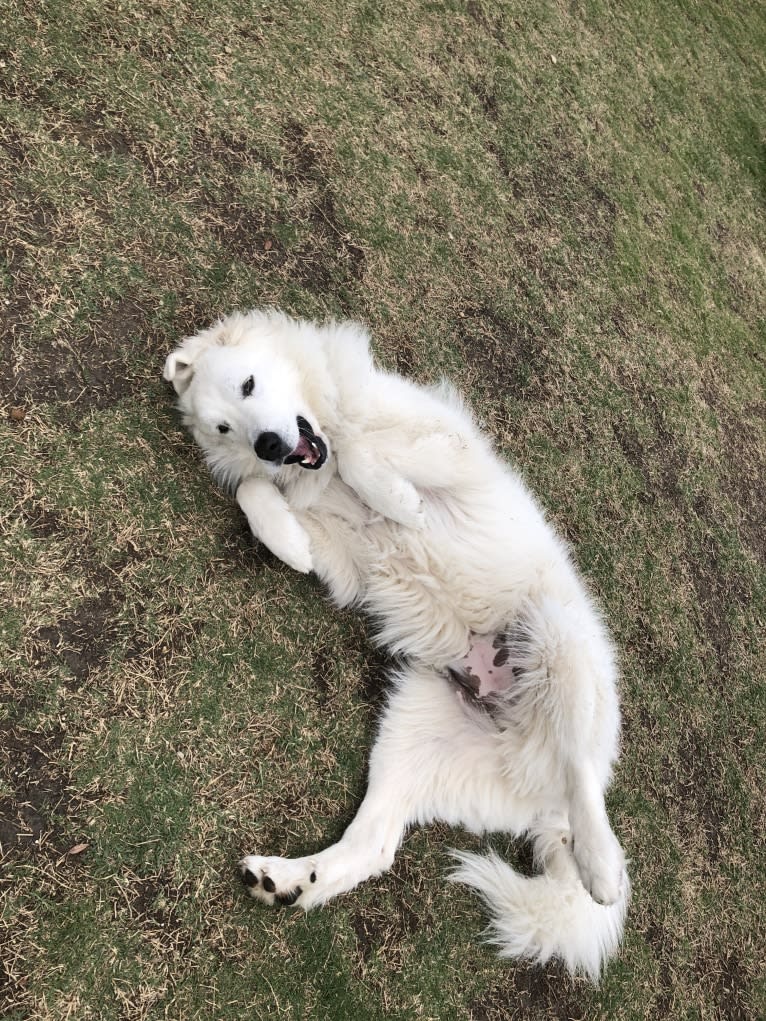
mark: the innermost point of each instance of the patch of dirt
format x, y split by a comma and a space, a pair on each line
503, 356
322, 255
718, 591
329, 233
159, 655
41, 522
285, 810
12, 984
561, 222
529, 991
382, 932
563, 218
84, 635
372, 664
375, 672
96, 130
13, 146
488, 103
663, 947
660, 460
691, 781
82, 639
321, 666
328, 260
643, 639
153, 905
30, 768
74, 365
154, 900
494, 24
729, 985
88, 374
28, 225
743, 440
385, 928
91, 370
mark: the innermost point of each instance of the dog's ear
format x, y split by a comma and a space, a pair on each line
180, 364
179, 369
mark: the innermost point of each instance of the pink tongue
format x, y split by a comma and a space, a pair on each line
303, 449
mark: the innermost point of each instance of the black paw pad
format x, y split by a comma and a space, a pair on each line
249, 878
286, 899
268, 884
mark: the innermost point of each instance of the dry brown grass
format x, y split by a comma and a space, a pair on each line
561, 207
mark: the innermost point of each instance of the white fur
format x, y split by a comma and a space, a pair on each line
414, 518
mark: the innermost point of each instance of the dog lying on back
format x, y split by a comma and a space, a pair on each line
506, 716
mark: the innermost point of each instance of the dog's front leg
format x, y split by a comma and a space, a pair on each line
272, 521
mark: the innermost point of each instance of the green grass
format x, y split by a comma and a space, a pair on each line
560, 206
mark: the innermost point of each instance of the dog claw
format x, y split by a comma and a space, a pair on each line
288, 899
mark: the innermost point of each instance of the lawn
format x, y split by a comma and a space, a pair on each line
560, 206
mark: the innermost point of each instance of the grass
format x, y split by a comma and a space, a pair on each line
561, 206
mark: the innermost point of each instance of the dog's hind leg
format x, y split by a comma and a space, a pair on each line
379, 485
366, 849
433, 759
598, 854
565, 701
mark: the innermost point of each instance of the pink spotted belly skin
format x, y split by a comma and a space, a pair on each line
487, 669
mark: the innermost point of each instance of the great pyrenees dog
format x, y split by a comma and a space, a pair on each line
505, 716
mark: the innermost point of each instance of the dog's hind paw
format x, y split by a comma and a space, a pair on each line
402, 503
602, 867
284, 882
383, 490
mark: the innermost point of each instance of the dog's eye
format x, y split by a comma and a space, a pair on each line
223, 428
247, 386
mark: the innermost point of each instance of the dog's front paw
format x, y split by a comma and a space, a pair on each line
286, 882
601, 864
293, 547
299, 560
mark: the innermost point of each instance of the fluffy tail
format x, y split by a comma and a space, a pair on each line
548, 915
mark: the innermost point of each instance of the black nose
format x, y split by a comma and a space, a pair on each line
271, 447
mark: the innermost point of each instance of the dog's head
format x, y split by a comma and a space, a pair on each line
240, 391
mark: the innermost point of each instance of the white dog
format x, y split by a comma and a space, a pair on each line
506, 716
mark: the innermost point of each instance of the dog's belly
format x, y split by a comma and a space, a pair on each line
431, 589
467, 572
487, 669
428, 609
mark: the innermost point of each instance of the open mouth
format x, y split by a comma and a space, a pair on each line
311, 451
